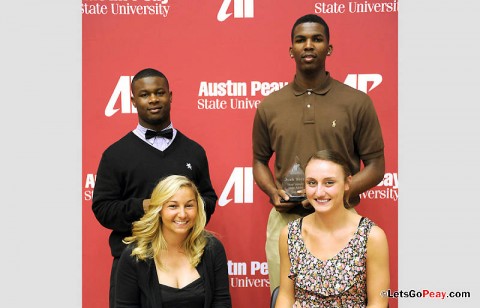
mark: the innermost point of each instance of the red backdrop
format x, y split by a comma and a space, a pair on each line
234, 42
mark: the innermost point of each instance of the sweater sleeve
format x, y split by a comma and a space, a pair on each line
127, 291
221, 286
205, 186
109, 208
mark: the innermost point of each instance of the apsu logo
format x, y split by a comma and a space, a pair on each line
241, 9
241, 181
122, 91
363, 81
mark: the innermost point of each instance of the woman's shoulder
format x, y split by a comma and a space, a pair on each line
128, 257
127, 252
296, 223
214, 249
293, 228
213, 242
376, 235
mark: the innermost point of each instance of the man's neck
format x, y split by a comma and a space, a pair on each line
311, 80
157, 127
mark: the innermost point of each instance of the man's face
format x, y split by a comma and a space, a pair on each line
152, 98
310, 46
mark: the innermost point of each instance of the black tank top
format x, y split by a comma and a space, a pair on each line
191, 296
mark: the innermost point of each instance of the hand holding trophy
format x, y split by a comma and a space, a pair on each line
294, 182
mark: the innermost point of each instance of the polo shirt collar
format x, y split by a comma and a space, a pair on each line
320, 90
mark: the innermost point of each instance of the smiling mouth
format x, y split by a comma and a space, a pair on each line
181, 222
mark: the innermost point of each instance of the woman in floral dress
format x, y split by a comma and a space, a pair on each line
323, 256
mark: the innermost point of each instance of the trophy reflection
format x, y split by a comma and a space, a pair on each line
294, 182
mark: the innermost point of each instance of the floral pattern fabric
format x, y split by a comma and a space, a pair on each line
336, 282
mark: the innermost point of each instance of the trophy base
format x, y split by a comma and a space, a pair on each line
295, 199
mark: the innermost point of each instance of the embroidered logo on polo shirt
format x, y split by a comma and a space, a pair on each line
334, 123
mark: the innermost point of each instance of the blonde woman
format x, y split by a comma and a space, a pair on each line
323, 256
171, 260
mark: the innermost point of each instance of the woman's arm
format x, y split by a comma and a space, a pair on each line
221, 292
378, 273
286, 296
127, 292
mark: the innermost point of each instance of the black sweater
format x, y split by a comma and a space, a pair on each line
129, 170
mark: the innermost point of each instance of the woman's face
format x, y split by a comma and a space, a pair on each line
179, 212
325, 184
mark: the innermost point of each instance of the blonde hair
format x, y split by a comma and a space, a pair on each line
147, 236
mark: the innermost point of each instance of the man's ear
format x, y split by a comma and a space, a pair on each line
133, 102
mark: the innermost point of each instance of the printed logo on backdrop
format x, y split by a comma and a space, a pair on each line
126, 7
356, 7
232, 95
244, 274
386, 189
241, 182
363, 82
241, 9
89, 185
122, 91
241, 95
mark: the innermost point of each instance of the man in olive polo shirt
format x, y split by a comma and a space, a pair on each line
312, 113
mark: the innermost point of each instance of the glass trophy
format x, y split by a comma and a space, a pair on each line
293, 182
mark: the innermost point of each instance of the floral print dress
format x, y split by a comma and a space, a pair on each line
337, 282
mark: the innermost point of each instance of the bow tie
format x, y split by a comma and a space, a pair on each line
166, 133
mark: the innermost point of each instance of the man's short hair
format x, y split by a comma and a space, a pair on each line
148, 72
312, 18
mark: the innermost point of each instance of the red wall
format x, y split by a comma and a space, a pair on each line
192, 44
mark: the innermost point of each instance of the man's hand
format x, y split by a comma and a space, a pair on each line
282, 206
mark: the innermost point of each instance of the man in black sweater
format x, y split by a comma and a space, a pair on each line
131, 167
